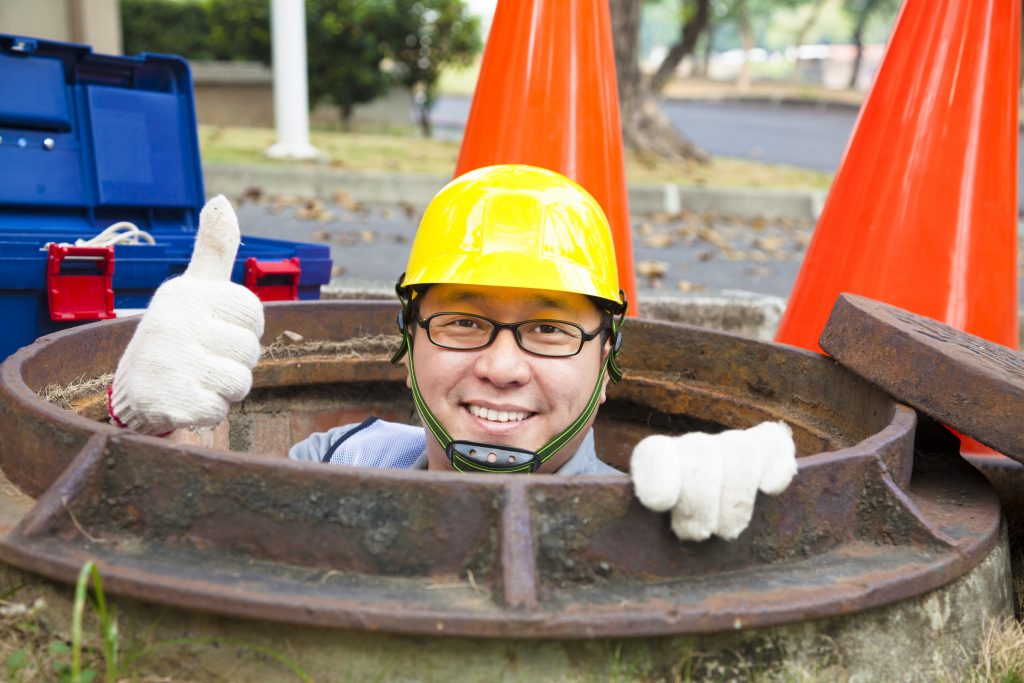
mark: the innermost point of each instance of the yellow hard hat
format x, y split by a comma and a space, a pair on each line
515, 226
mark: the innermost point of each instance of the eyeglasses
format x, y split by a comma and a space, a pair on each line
468, 332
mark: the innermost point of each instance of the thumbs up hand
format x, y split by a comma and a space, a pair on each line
194, 349
709, 482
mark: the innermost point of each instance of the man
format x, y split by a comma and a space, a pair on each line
510, 323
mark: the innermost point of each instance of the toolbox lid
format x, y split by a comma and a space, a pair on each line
87, 137
968, 383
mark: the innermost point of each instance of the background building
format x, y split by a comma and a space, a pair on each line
92, 22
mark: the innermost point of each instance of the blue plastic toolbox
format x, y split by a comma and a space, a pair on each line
88, 141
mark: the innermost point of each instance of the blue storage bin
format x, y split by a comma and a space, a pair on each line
89, 140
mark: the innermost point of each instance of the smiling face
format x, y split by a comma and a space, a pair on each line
501, 394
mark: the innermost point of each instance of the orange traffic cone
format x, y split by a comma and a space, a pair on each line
547, 96
923, 210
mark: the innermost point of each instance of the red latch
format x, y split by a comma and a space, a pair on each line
273, 280
79, 282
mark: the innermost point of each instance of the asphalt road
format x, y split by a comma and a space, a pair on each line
796, 135
806, 136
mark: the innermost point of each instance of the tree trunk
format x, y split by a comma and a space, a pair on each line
747, 41
425, 122
688, 36
858, 40
423, 107
801, 36
645, 127
709, 49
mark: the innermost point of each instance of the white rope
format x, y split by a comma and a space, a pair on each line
121, 232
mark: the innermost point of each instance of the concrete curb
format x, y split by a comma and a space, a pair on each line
379, 187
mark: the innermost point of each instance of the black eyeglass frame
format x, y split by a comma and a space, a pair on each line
514, 328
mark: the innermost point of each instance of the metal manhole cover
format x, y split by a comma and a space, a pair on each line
969, 383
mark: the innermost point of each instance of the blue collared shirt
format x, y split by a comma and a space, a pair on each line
377, 443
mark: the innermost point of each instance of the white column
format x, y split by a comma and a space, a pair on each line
291, 91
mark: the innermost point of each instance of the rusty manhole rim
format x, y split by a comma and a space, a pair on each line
517, 617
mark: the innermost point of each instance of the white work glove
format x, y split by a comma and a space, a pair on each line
194, 349
710, 481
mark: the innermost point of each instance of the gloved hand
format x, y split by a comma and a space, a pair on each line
710, 481
194, 349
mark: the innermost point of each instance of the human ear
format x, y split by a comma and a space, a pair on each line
405, 359
604, 385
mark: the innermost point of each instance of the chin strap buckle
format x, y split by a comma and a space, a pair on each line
470, 456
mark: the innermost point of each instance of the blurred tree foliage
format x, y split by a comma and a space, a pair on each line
426, 37
345, 49
356, 49
180, 28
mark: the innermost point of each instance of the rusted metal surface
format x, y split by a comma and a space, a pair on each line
1007, 478
485, 555
967, 382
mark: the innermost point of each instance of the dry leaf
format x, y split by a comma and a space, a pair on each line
408, 209
687, 286
713, 237
659, 240
689, 231
284, 201
252, 194
769, 243
342, 199
652, 270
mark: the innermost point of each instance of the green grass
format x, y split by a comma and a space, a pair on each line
409, 153
31, 651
